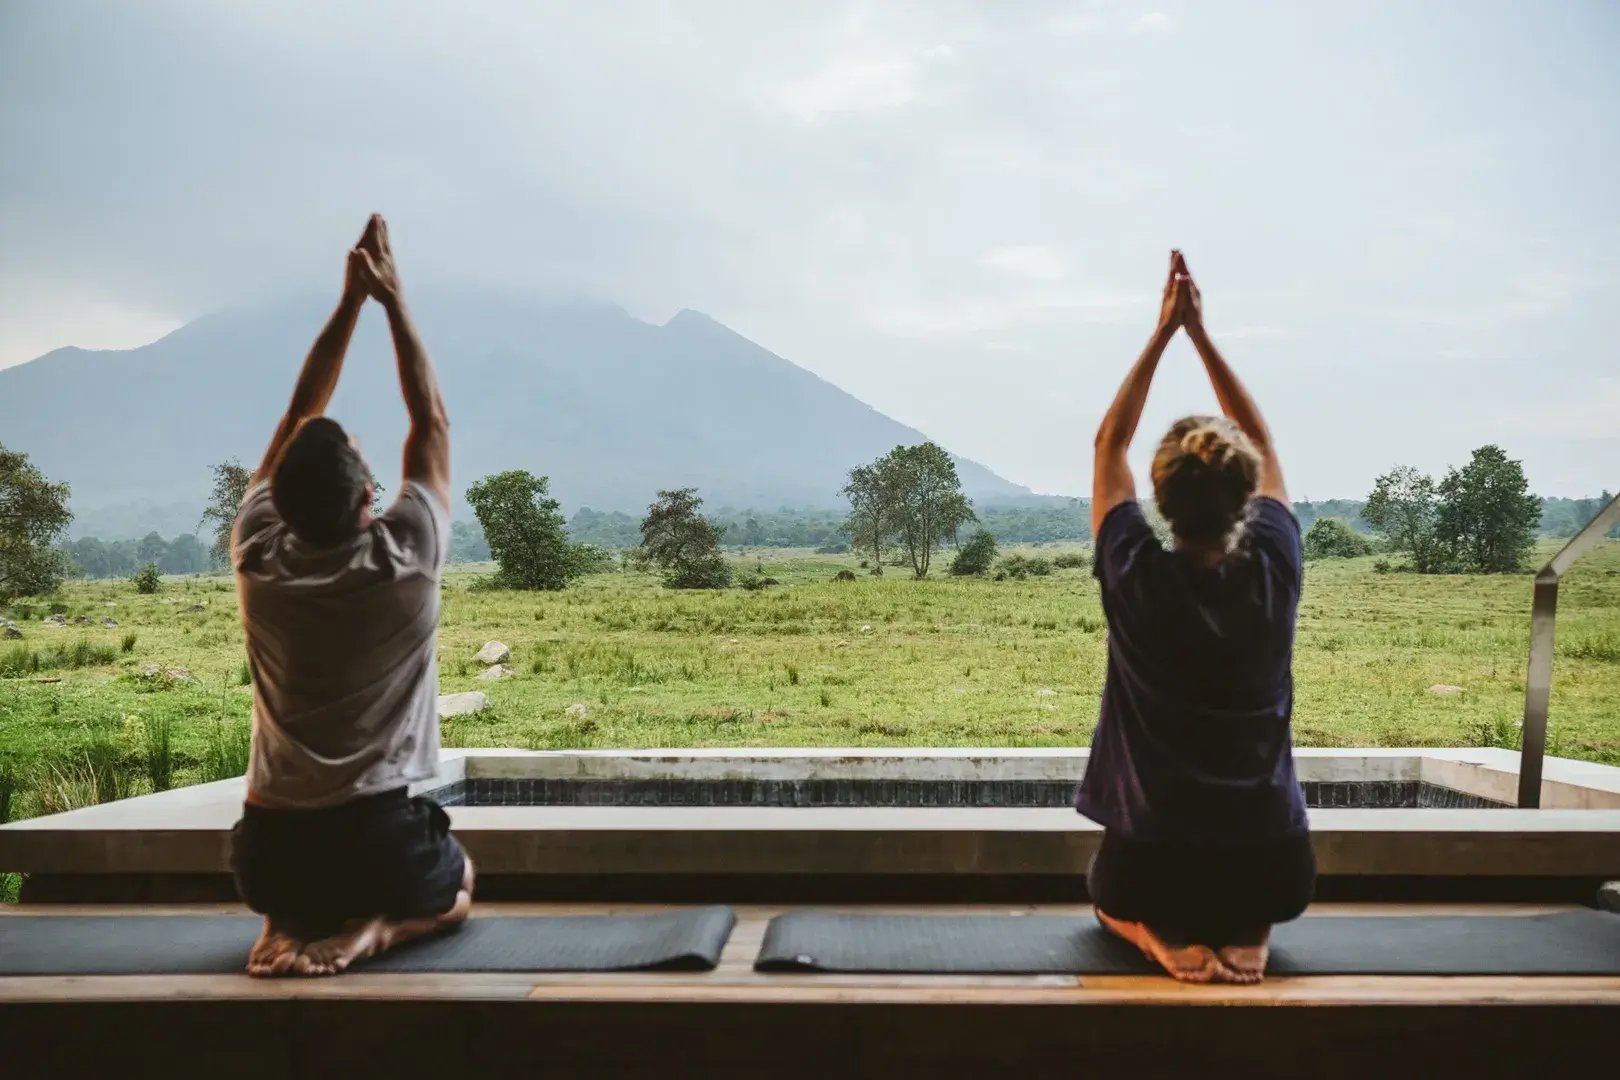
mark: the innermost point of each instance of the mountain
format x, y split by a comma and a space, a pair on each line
608, 406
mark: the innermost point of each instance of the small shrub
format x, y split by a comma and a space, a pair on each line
1382, 566
1019, 567
58, 608
129, 643
844, 575
826, 698
754, 580
1072, 560
792, 674
147, 579
976, 556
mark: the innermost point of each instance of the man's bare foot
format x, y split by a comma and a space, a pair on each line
1188, 963
1244, 961
274, 953
365, 938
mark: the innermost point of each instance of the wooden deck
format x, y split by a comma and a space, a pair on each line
734, 1021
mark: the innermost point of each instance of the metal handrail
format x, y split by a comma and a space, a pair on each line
1538, 681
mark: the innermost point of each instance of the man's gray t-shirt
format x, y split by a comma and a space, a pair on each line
342, 646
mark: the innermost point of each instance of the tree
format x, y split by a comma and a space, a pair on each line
1333, 538
230, 485
1487, 518
33, 514
184, 555
926, 500
976, 556
679, 541
524, 530
1404, 507
869, 522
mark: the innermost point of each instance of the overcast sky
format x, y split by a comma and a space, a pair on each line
1402, 214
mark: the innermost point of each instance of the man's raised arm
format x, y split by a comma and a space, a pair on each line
324, 363
427, 447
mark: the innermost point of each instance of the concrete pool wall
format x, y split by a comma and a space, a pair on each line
186, 832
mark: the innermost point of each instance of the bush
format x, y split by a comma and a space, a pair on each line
976, 556
756, 579
589, 559
1019, 567
844, 575
1072, 560
146, 579
1332, 538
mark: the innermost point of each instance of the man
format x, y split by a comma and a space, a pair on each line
340, 612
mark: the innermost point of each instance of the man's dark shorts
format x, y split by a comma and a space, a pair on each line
385, 854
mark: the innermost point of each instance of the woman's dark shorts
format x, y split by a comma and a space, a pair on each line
385, 854
1208, 895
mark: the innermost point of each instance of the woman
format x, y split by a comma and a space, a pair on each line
1206, 843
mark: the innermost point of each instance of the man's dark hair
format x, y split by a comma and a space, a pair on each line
319, 483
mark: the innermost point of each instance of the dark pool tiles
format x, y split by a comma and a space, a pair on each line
890, 793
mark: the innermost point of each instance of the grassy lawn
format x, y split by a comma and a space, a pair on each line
874, 662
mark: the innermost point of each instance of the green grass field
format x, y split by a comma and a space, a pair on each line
874, 662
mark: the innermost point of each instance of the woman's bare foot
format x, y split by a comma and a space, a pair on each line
274, 953
333, 955
1188, 963
1244, 961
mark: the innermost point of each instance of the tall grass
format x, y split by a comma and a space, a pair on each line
159, 756
227, 752
26, 660
8, 787
96, 775
129, 642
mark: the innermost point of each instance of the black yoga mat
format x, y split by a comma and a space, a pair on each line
685, 940
1566, 943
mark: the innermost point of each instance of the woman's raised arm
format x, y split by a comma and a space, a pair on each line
1235, 401
1111, 479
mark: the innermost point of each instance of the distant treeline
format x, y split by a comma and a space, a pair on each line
1033, 523
93, 558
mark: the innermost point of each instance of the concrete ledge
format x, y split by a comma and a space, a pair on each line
187, 831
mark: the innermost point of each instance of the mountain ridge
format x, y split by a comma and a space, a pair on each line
612, 408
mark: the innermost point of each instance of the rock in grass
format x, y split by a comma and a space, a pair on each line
493, 652
1608, 897
179, 674
576, 711
1046, 691
496, 671
463, 704
11, 629
149, 671
109, 622
1445, 690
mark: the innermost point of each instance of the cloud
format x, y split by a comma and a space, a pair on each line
851, 84
1028, 260
1154, 22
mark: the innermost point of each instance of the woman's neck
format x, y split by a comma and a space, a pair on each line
1203, 552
